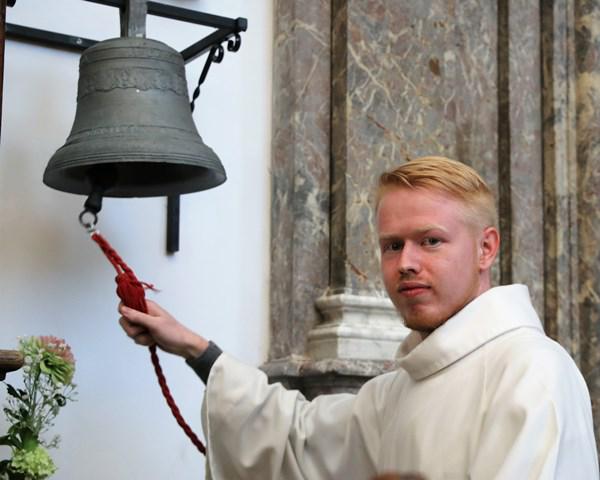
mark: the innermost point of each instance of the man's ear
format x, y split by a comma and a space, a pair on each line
489, 244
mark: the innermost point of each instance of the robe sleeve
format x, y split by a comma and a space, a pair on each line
262, 431
538, 424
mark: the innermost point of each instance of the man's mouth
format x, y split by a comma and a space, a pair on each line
412, 289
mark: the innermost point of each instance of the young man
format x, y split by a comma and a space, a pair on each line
481, 392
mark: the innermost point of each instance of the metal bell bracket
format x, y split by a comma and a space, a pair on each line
227, 30
215, 56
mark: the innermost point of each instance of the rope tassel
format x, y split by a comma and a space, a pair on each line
132, 293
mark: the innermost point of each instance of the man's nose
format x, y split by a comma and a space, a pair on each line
409, 261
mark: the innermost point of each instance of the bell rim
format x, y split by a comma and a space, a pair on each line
55, 179
199, 160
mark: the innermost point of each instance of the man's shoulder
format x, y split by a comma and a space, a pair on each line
530, 345
380, 385
527, 354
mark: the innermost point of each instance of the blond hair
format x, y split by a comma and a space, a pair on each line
448, 176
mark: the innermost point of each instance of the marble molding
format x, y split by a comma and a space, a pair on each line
356, 327
325, 376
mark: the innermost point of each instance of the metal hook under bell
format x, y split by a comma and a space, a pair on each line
88, 224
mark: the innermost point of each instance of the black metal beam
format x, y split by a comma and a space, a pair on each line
109, 3
191, 16
45, 37
182, 14
227, 27
201, 47
72, 42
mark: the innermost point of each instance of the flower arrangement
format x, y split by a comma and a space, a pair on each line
48, 385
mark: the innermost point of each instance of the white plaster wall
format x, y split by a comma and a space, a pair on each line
54, 280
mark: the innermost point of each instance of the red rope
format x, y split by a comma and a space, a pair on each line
131, 291
172, 405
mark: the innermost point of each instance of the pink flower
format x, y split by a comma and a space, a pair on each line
58, 347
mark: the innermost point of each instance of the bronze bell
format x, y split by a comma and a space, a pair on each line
133, 133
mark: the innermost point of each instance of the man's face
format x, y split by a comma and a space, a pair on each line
433, 262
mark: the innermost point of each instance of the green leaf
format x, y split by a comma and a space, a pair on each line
7, 440
12, 391
11, 414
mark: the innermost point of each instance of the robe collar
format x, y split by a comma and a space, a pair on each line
493, 313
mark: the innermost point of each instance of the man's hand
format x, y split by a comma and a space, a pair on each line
158, 327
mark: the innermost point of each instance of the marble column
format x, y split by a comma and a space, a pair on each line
560, 175
300, 180
571, 73
358, 321
587, 108
520, 191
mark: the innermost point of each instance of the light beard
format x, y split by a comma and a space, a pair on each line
424, 324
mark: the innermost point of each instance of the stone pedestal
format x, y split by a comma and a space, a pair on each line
355, 327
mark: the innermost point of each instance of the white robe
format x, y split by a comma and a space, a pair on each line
485, 396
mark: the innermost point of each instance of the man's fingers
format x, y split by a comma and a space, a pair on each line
153, 307
135, 316
144, 339
137, 333
131, 329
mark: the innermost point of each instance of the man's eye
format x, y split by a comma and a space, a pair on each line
392, 247
431, 242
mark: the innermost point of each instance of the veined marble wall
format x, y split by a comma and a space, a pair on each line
571, 95
510, 87
300, 181
300, 171
408, 79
